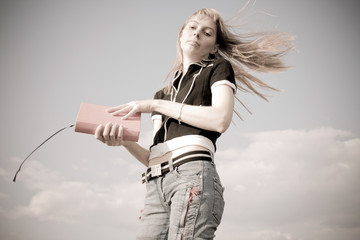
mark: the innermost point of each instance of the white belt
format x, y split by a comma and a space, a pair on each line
179, 142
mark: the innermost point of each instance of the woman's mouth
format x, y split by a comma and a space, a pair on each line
193, 43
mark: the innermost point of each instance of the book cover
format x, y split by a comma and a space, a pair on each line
90, 116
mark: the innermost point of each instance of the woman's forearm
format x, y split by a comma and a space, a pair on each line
209, 118
214, 118
140, 153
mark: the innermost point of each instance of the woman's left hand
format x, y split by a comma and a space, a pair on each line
111, 134
131, 108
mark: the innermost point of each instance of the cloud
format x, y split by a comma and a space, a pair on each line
281, 185
79, 202
270, 235
59, 200
35, 174
284, 179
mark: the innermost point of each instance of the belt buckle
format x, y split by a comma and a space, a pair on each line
156, 170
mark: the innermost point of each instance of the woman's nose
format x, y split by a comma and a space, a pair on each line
196, 34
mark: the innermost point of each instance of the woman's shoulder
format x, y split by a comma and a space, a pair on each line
222, 70
218, 63
221, 61
221, 64
159, 94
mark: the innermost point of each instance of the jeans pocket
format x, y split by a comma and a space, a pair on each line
188, 170
219, 202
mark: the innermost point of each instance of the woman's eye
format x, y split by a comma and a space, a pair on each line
207, 34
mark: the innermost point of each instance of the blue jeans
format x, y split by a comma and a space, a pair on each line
186, 203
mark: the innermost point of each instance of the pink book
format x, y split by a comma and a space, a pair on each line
90, 116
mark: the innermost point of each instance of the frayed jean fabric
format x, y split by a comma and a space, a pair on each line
186, 203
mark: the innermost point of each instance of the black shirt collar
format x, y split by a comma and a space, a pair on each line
202, 63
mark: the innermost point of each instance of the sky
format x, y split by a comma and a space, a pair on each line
291, 169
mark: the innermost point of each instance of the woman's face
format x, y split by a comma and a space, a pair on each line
198, 38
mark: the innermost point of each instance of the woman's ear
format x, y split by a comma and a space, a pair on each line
212, 54
215, 49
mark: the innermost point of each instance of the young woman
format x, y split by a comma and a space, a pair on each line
184, 197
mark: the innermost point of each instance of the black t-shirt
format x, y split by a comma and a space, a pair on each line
194, 88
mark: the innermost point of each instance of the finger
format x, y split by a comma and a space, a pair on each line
113, 109
122, 111
98, 134
113, 135
120, 133
107, 132
129, 114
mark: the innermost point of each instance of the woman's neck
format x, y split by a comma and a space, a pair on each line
187, 62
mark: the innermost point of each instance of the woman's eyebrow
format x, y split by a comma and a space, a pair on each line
194, 21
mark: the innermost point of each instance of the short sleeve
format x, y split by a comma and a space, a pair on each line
156, 115
223, 74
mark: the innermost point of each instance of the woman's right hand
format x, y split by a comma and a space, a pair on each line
111, 134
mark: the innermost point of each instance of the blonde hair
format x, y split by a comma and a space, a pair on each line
258, 52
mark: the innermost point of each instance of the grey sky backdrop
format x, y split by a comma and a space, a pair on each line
291, 170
